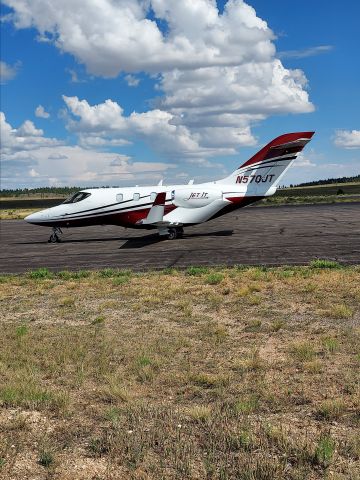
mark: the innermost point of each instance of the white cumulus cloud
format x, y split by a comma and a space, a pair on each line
347, 138
217, 71
132, 81
7, 72
26, 153
41, 112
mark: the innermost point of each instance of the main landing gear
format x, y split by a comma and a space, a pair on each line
174, 233
54, 237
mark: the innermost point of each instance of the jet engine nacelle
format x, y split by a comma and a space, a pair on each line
195, 197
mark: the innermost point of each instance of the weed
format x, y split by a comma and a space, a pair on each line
66, 301
277, 325
246, 405
143, 361
21, 331
330, 344
253, 325
196, 271
99, 446
214, 278
206, 380
303, 351
66, 275
112, 415
200, 413
352, 446
107, 273
46, 458
340, 311
98, 320
215, 331
331, 409
324, 450
314, 367
318, 263
40, 273
113, 391
26, 393
121, 280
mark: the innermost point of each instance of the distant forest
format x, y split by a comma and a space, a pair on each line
330, 181
48, 191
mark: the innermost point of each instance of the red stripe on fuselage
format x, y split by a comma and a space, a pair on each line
122, 219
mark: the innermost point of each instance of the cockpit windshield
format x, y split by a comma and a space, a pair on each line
77, 197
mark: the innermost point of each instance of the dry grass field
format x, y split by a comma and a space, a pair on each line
241, 373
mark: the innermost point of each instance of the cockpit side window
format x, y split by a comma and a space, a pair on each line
77, 197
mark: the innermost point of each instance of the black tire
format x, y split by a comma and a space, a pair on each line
180, 232
172, 235
53, 238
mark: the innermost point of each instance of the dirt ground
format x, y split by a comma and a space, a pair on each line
207, 373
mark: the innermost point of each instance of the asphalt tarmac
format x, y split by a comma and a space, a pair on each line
286, 235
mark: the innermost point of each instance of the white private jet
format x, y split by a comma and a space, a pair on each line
171, 208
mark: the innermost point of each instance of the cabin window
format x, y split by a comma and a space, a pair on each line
153, 196
77, 197
136, 196
119, 197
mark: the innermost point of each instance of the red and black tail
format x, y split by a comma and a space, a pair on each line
267, 167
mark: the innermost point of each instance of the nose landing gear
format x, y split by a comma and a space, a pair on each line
54, 237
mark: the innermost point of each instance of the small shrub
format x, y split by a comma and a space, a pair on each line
318, 263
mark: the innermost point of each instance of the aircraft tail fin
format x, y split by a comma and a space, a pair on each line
263, 172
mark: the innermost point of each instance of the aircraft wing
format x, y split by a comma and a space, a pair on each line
156, 214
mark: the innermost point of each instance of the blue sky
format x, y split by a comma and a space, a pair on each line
141, 91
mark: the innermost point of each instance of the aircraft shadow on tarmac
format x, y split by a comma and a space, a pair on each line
140, 242
134, 242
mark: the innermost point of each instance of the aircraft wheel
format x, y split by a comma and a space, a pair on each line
53, 238
172, 235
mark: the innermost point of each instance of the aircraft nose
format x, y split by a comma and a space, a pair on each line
36, 217
33, 218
